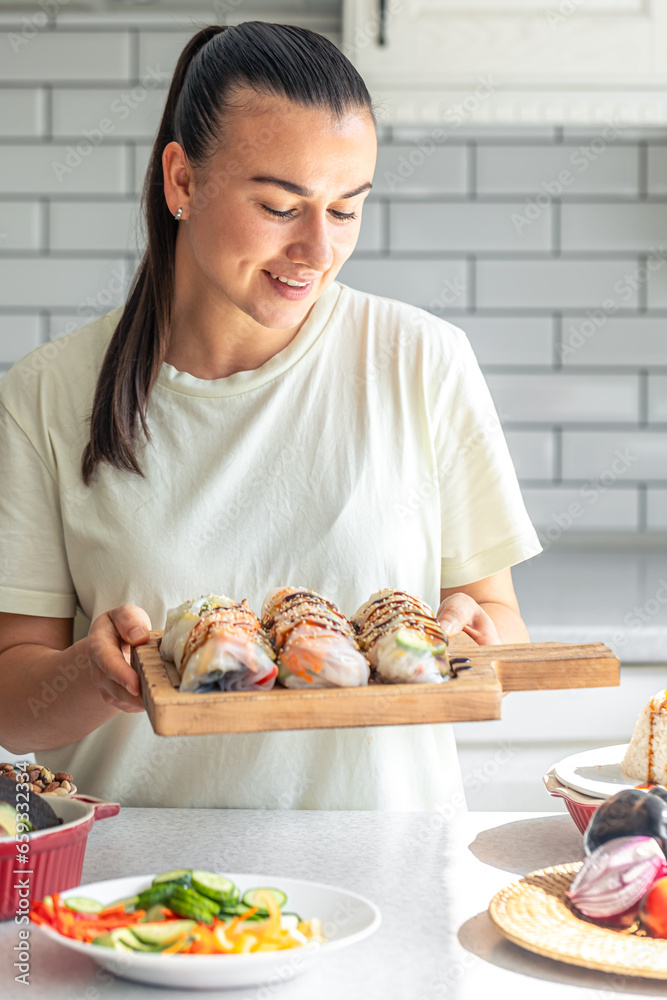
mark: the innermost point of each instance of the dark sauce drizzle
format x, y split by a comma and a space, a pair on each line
458, 663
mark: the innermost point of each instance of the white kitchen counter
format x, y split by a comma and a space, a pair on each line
431, 877
585, 592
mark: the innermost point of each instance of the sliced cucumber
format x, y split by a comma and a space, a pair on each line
161, 935
122, 939
184, 909
250, 898
109, 941
215, 887
190, 903
180, 892
228, 913
156, 895
412, 641
82, 904
181, 876
234, 909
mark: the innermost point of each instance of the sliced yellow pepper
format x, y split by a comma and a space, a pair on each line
272, 925
221, 937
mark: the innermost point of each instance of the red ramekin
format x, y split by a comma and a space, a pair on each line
55, 856
580, 807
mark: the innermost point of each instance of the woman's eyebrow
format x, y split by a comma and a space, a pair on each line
305, 192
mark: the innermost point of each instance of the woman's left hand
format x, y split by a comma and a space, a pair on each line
460, 613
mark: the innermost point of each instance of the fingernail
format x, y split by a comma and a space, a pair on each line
449, 627
131, 688
137, 633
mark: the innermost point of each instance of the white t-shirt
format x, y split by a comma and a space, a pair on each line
366, 454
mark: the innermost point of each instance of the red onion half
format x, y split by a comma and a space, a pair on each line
616, 877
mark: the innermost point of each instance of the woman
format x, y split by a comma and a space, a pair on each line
244, 422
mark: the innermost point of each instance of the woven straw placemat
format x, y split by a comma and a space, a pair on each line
536, 914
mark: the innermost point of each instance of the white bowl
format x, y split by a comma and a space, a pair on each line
346, 919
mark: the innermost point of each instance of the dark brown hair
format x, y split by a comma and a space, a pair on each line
271, 59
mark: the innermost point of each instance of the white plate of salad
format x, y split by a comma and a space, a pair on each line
206, 930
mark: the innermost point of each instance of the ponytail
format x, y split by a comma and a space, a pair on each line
277, 59
139, 343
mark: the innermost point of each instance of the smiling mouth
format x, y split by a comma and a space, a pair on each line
292, 282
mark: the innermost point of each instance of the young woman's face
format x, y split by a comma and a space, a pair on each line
282, 199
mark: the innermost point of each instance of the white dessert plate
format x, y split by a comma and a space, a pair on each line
596, 772
346, 919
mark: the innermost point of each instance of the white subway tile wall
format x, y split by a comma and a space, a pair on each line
531, 169
22, 112
546, 245
657, 398
565, 398
464, 227
94, 225
501, 340
433, 284
617, 455
582, 508
19, 334
78, 282
20, 226
84, 57
608, 226
657, 510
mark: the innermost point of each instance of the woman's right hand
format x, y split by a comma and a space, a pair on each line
109, 641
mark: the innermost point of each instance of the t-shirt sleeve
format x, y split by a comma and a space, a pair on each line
485, 527
34, 572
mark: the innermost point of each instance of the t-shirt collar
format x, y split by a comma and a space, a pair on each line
231, 385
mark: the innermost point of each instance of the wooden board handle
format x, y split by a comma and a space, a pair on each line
549, 666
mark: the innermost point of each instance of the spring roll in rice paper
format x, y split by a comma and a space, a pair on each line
402, 639
218, 645
315, 643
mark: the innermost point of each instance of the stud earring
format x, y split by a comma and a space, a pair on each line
178, 214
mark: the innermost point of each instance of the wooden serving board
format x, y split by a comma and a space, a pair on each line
474, 695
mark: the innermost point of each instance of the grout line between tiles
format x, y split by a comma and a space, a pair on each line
642, 507
557, 340
471, 283
44, 224
47, 134
625, 485
642, 151
471, 172
558, 454
643, 401
44, 321
642, 289
556, 226
131, 180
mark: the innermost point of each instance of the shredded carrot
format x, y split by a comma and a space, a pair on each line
111, 910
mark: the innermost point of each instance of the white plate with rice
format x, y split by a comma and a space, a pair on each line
596, 772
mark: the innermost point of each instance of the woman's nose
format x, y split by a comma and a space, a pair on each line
313, 246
